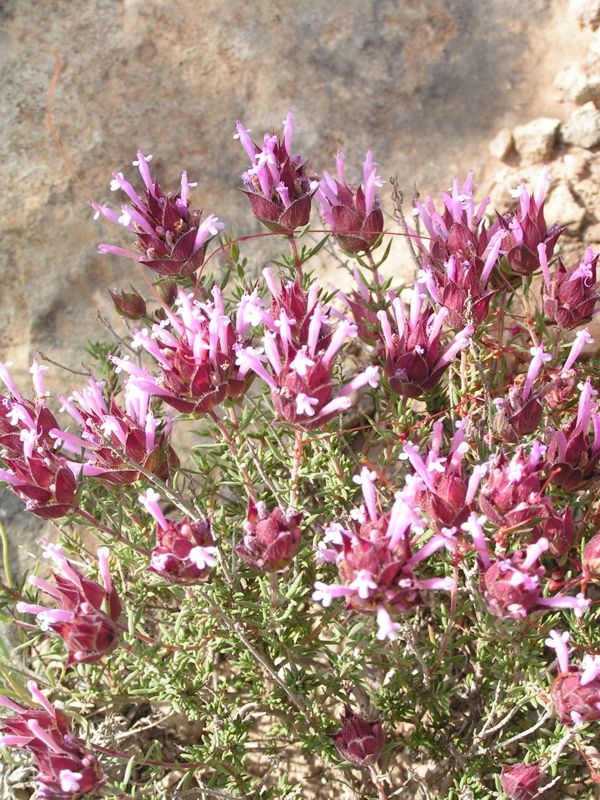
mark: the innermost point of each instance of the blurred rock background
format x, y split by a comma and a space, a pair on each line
427, 84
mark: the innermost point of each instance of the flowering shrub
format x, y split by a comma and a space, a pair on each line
376, 573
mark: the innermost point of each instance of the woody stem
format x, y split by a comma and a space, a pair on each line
236, 455
375, 773
296, 461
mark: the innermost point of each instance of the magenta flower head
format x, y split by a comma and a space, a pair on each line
271, 539
521, 781
108, 435
447, 494
359, 740
375, 564
86, 614
512, 585
195, 349
520, 413
574, 451
36, 469
66, 770
525, 229
415, 360
576, 690
511, 494
171, 237
558, 530
184, 552
571, 296
354, 215
297, 362
279, 190
591, 558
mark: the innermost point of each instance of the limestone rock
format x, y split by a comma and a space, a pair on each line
583, 127
587, 12
535, 140
502, 144
580, 83
562, 207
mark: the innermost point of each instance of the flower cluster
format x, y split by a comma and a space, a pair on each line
171, 237
576, 690
108, 435
415, 360
196, 349
184, 551
279, 190
297, 360
66, 770
374, 558
354, 216
459, 253
87, 613
571, 295
37, 471
271, 539
512, 585
525, 229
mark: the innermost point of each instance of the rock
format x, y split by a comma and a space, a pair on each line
587, 12
592, 235
583, 127
535, 141
579, 83
502, 144
562, 207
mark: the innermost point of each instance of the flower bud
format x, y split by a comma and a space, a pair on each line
128, 304
521, 781
358, 740
184, 551
271, 540
591, 558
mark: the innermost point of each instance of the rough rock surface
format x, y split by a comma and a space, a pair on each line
583, 127
410, 80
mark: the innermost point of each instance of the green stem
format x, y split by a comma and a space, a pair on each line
6, 558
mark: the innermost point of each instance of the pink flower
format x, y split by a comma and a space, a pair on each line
37, 471
359, 740
510, 496
195, 349
521, 781
171, 238
574, 451
520, 413
576, 691
415, 360
375, 564
512, 585
525, 229
277, 185
108, 434
184, 551
297, 359
591, 558
66, 770
87, 612
271, 539
354, 216
571, 296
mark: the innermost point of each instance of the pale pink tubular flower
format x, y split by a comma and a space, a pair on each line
184, 552
65, 769
36, 468
576, 691
512, 585
110, 440
297, 361
171, 237
374, 558
195, 349
87, 614
354, 215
